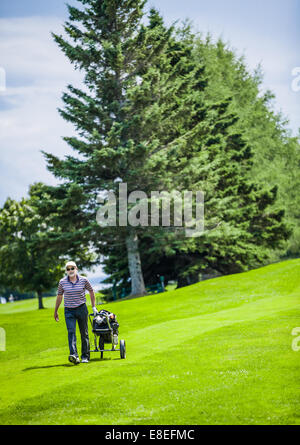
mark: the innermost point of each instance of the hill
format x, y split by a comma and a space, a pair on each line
216, 352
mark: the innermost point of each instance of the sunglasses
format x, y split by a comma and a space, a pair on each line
70, 268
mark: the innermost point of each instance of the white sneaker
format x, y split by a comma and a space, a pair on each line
84, 360
74, 359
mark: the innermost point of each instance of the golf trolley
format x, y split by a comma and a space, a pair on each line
105, 326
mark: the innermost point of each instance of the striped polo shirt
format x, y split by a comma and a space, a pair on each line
74, 293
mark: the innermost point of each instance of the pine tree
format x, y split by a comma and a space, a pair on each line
39, 234
27, 262
247, 228
135, 108
241, 226
275, 152
63, 209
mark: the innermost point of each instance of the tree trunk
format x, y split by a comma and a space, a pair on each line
134, 264
187, 281
40, 297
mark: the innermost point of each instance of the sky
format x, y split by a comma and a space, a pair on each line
34, 72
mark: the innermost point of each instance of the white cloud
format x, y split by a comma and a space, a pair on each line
37, 73
27, 48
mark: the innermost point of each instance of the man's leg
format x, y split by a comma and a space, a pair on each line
71, 327
82, 317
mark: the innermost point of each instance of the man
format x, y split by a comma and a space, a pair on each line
72, 288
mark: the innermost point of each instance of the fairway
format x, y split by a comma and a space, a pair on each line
216, 352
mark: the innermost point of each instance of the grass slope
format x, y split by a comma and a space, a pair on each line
216, 352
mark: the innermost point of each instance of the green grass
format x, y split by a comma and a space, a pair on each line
216, 352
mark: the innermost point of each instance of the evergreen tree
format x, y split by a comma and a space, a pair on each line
242, 229
247, 229
146, 119
63, 209
276, 154
132, 113
27, 262
39, 234
274, 160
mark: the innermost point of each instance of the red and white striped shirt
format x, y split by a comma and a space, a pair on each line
74, 293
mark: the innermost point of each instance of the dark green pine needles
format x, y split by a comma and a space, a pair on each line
143, 118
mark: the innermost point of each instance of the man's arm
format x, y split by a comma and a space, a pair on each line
60, 292
93, 299
92, 295
57, 304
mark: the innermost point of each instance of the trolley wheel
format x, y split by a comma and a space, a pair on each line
101, 345
122, 349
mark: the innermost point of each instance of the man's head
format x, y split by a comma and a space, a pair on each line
71, 268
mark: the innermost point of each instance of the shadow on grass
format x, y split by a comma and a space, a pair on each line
69, 365
104, 359
66, 365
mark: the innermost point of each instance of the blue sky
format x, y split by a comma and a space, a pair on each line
266, 31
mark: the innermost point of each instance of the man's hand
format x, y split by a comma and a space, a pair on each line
57, 304
95, 312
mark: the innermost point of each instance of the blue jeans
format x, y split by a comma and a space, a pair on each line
79, 313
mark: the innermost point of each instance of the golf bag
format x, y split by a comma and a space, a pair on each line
105, 324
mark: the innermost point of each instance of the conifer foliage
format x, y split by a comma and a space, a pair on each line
143, 118
131, 111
